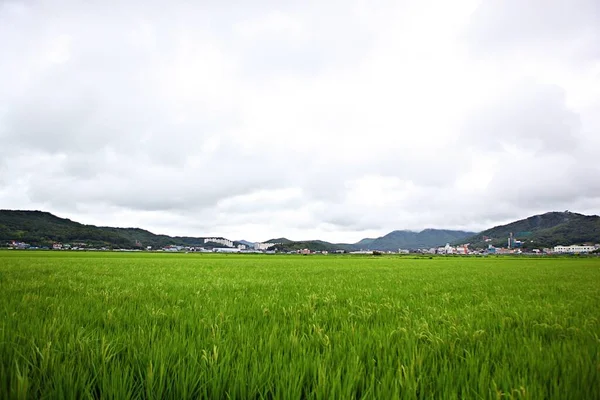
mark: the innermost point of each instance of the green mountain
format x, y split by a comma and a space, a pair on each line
312, 245
280, 240
391, 242
544, 230
364, 243
413, 240
40, 228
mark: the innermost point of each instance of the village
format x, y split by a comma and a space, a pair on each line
222, 245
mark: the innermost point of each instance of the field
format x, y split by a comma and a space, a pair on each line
175, 326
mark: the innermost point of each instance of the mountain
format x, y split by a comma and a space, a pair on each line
364, 243
413, 240
284, 244
544, 230
280, 240
245, 242
391, 242
42, 229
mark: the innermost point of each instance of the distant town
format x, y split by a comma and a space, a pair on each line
223, 245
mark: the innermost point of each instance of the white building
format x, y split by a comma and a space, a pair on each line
447, 249
223, 241
226, 250
574, 249
263, 246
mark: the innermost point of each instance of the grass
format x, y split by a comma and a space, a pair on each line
104, 325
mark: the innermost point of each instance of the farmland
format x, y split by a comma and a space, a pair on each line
116, 325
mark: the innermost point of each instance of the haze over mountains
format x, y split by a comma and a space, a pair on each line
549, 229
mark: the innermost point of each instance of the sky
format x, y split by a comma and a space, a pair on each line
335, 120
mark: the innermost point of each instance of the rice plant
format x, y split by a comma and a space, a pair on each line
103, 325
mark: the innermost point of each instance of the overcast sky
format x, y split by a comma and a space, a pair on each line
331, 119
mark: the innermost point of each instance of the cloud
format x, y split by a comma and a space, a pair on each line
526, 114
543, 28
333, 120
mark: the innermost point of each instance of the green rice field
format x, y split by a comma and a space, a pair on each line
178, 326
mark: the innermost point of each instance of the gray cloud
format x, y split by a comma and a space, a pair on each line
302, 120
556, 28
528, 115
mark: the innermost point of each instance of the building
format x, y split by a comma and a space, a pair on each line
574, 249
263, 246
18, 245
513, 243
462, 250
219, 240
447, 249
226, 250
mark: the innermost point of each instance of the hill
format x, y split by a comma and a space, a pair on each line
391, 242
544, 230
285, 245
42, 229
413, 240
280, 240
364, 243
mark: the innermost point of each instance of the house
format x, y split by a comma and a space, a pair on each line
574, 249
219, 240
18, 245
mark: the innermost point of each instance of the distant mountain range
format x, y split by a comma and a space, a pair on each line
284, 244
545, 230
393, 241
413, 240
42, 229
